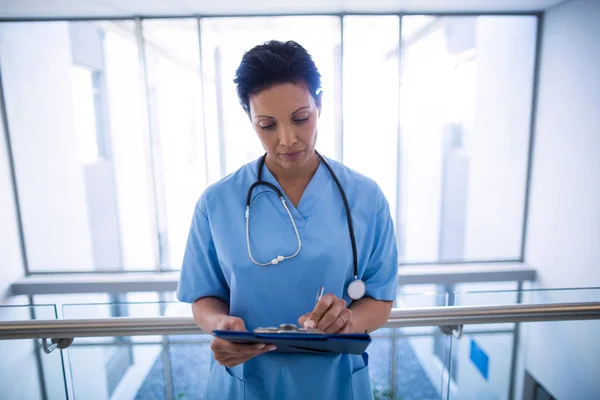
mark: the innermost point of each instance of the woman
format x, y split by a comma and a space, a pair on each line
307, 238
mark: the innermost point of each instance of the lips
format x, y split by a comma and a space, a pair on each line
292, 155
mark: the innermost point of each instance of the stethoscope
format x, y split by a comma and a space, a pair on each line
357, 288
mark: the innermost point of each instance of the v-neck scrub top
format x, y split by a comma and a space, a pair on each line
216, 264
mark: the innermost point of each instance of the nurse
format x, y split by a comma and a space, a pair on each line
262, 266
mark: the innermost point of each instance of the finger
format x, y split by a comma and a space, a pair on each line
232, 324
320, 309
348, 328
340, 322
229, 363
222, 346
260, 349
303, 319
230, 360
331, 317
233, 361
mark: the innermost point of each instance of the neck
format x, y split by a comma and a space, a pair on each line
304, 173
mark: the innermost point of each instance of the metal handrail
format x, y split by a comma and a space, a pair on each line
454, 316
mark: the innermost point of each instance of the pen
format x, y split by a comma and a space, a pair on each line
319, 294
309, 323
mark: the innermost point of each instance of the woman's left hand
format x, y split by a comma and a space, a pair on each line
330, 315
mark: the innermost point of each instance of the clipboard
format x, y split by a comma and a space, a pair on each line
302, 342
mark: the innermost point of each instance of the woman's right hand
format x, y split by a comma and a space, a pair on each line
232, 354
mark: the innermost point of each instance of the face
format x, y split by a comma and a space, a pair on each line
285, 119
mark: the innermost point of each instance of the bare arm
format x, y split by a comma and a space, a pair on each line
208, 312
369, 314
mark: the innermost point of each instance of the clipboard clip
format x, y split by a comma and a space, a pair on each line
287, 328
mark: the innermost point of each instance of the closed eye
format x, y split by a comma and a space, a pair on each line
300, 120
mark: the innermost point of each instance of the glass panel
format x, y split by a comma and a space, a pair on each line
420, 352
481, 366
86, 151
26, 372
380, 363
527, 296
137, 305
224, 41
420, 360
465, 106
404, 362
418, 296
561, 358
176, 123
190, 367
121, 369
128, 367
371, 68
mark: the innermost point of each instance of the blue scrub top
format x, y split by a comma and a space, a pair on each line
216, 263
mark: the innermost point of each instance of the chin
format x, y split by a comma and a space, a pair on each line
302, 160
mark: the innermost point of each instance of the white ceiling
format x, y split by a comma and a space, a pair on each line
128, 8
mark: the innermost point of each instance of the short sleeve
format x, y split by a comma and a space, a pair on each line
201, 275
381, 273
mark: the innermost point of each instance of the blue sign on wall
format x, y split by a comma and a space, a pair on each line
480, 359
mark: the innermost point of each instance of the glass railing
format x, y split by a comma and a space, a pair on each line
420, 361
532, 360
177, 366
26, 371
130, 367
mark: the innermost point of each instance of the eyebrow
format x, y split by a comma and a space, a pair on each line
267, 116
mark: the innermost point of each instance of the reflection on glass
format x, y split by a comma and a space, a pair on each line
441, 125
465, 106
224, 41
419, 367
175, 101
76, 118
123, 367
85, 93
481, 366
26, 372
502, 294
560, 356
371, 100
114, 369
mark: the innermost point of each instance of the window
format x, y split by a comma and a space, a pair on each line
435, 109
370, 100
76, 119
224, 41
86, 115
465, 106
174, 92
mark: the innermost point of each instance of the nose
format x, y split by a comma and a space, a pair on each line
287, 136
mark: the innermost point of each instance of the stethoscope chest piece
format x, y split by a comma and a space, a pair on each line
357, 289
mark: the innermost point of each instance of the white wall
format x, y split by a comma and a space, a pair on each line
564, 218
36, 63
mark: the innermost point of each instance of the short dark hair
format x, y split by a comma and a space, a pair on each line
273, 63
